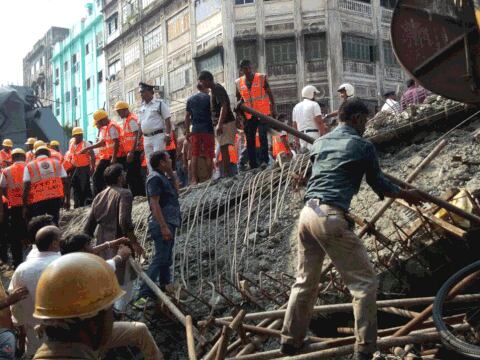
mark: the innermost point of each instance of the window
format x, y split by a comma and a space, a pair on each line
179, 78
389, 4
87, 49
57, 107
57, 73
152, 40
89, 84
74, 59
114, 68
246, 50
131, 97
41, 61
65, 66
315, 47
131, 55
281, 52
112, 24
358, 49
388, 54
67, 96
129, 10
212, 63
100, 76
206, 8
242, 2
178, 25
99, 39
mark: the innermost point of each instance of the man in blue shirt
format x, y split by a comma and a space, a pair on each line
339, 159
162, 192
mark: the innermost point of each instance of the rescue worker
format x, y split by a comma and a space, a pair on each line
6, 153
11, 186
133, 147
45, 186
340, 159
55, 153
254, 90
29, 145
111, 147
78, 324
155, 124
345, 91
280, 145
82, 166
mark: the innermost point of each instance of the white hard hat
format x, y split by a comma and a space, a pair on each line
349, 89
309, 91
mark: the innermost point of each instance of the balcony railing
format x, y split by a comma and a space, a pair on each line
281, 70
359, 67
393, 73
316, 66
386, 15
357, 7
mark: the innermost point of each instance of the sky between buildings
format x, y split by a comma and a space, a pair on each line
23, 23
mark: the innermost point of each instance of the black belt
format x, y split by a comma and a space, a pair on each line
310, 130
153, 133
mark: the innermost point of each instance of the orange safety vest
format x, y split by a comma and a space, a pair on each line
67, 162
278, 146
77, 159
257, 140
5, 159
256, 97
129, 135
106, 152
14, 178
172, 145
47, 185
232, 152
30, 156
56, 155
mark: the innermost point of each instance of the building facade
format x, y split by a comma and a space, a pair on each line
37, 69
78, 66
295, 42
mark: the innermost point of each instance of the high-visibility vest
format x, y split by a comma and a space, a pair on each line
129, 136
278, 146
5, 159
232, 152
77, 159
30, 156
256, 97
107, 151
172, 145
56, 155
14, 179
67, 162
45, 185
257, 141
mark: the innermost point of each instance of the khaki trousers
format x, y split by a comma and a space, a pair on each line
324, 230
133, 334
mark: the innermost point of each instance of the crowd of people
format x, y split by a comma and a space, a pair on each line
67, 290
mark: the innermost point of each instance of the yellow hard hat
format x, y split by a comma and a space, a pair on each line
38, 143
99, 115
7, 142
18, 151
121, 105
41, 147
77, 131
30, 141
54, 143
76, 285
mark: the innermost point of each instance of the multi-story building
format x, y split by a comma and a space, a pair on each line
37, 69
79, 72
295, 42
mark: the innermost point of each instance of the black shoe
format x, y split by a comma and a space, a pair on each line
289, 349
362, 356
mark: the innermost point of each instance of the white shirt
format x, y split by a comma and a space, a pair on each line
27, 275
304, 114
149, 118
391, 106
60, 170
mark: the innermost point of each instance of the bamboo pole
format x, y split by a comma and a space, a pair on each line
190, 340
226, 332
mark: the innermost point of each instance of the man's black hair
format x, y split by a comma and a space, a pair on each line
351, 107
18, 157
39, 152
205, 75
36, 224
74, 243
112, 174
410, 82
44, 240
244, 63
156, 157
